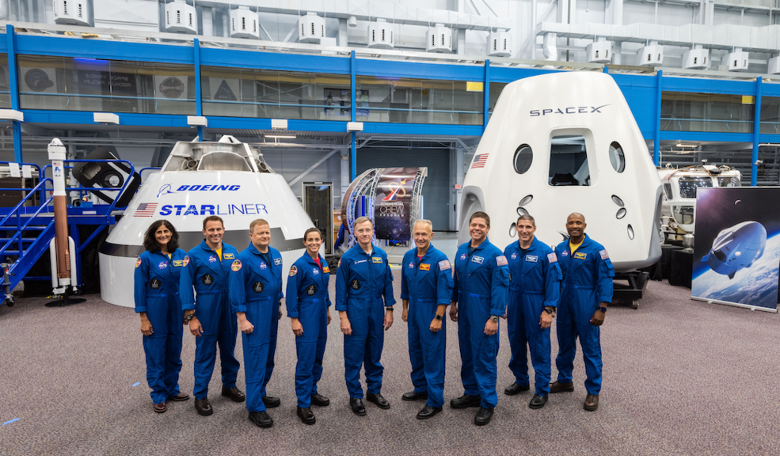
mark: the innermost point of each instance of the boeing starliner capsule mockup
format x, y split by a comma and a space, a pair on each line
225, 178
562, 143
736, 248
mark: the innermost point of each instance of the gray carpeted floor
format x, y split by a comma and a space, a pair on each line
680, 377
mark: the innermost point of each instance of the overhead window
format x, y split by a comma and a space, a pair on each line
688, 185
568, 161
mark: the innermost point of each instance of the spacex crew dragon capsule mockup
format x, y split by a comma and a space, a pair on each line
562, 143
736, 248
226, 178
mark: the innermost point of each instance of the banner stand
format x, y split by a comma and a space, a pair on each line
733, 304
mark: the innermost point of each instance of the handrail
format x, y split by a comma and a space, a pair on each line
22, 228
19, 227
18, 205
43, 195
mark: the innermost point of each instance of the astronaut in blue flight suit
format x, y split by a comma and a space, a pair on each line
156, 283
207, 268
585, 293
308, 306
255, 296
481, 284
363, 279
426, 289
533, 297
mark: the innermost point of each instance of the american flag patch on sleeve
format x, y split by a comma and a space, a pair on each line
552, 257
501, 260
604, 254
444, 264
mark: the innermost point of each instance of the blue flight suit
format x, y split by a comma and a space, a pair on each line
308, 301
535, 284
156, 293
210, 276
362, 280
587, 281
256, 289
427, 284
481, 284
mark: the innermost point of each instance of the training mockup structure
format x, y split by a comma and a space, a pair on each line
563, 143
226, 178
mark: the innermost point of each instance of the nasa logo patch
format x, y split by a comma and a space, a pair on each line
604, 254
444, 265
315, 271
411, 265
263, 265
186, 260
258, 287
163, 265
477, 259
463, 257
155, 284
138, 261
552, 258
229, 256
580, 256
565, 253
236, 266
278, 261
212, 259
293, 271
425, 267
310, 290
207, 280
514, 256
501, 260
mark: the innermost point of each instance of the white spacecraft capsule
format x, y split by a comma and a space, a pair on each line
562, 143
225, 178
736, 248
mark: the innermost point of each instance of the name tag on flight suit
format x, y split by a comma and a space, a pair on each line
580, 256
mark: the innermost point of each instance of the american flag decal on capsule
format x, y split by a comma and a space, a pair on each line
479, 161
145, 210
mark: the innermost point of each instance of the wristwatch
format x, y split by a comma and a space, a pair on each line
494, 318
390, 309
188, 318
438, 317
549, 310
603, 309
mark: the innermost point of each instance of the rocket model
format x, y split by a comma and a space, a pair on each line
62, 249
225, 178
562, 143
736, 248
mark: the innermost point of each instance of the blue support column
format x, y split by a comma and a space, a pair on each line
353, 114
486, 93
198, 94
13, 79
657, 139
756, 132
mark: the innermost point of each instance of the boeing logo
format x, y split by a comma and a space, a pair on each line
569, 110
167, 189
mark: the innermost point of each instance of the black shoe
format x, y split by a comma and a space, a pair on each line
537, 402
235, 394
357, 406
179, 397
262, 419
203, 406
483, 416
428, 412
271, 402
515, 388
465, 401
319, 400
306, 415
412, 396
558, 387
377, 399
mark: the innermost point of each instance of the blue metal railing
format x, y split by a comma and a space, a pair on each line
19, 227
34, 177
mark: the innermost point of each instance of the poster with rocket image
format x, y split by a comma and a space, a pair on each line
736, 257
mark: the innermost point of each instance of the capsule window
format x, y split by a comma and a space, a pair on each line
524, 156
616, 157
568, 161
